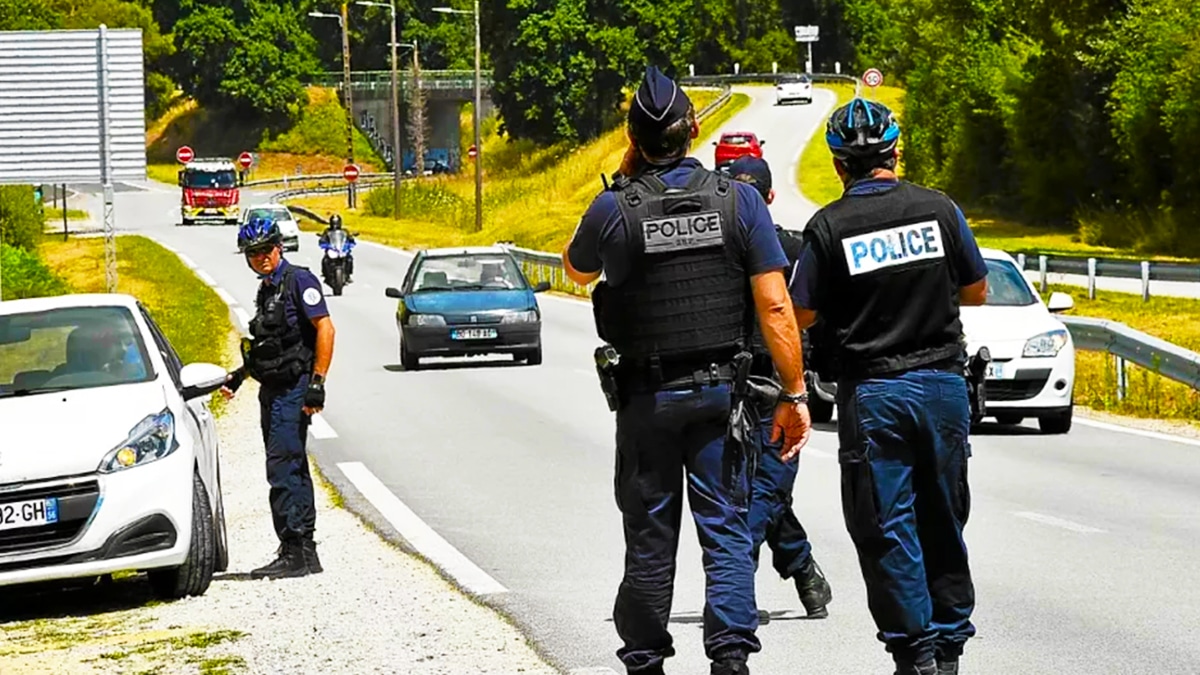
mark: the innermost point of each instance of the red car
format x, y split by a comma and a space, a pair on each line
734, 144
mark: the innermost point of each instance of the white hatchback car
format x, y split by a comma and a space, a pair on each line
793, 88
281, 215
1032, 373
110, 458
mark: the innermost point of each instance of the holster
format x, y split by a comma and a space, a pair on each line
607, 358
752, 395
975, 373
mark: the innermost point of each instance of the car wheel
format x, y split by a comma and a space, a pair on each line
1010, 419
222, 562
819, 409
1058, 423
407, 359
195, 574
534, 358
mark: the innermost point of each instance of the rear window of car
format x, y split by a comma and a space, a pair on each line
273, 214
1006, 286
736, 139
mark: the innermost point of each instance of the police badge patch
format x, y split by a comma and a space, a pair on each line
312, 296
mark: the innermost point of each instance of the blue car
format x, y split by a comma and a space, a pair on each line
467, 302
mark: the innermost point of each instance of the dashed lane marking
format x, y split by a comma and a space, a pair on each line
1057, 522
320, 429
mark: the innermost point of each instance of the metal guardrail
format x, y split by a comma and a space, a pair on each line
542, 266
1126, 344
753, 78
308, 178
1106, 267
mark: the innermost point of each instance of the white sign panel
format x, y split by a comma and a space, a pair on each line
68, 98
808, 33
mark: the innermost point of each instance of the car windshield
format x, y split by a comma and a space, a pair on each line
736, 139
274, 214
1006, 286
209, 179
468, 272
70, 348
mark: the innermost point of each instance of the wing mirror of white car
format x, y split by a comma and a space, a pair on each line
201, 379
1060, 302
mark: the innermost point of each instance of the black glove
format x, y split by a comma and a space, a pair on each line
315, 396
235, 379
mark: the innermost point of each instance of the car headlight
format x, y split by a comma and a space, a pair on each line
528, 316
426, 320
151, 439
1046, 344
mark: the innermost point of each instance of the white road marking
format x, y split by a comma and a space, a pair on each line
1138, 432
224, 295
243, 316
1056, 522
170, 248
206, 278
418, 534
187, 261
320, 429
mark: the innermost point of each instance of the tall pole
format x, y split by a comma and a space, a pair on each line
418, 120
397, 158
349, 100
478, 145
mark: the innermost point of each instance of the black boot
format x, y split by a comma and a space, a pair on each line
289, 563
929, 667
814, 590
948, 667
730, 665
309, 550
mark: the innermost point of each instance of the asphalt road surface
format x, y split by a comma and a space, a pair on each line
1083, 545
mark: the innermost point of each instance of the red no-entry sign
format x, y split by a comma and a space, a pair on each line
245, 160
184, 154
350, 173
472, 152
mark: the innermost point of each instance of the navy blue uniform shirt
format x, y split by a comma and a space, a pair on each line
600, 241
308, 289
968, 261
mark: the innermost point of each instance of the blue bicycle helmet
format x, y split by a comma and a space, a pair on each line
258, 232
862, 129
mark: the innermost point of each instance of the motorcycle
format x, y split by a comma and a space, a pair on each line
334, 266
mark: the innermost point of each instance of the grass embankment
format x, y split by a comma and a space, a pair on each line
532, 196
1176, 320
820, 184
315, 144
55, 215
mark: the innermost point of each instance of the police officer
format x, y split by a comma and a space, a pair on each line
887, 266
335, 223
289, 355
689, 259
771, 516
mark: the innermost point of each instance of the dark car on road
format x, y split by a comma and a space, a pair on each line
467, 302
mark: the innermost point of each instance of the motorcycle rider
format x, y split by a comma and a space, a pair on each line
335, 223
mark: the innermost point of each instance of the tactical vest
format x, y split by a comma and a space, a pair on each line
687, 297
891, 299
279, 353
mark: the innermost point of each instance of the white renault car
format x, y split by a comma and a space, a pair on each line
1032, 373
282, 216
793, 88
108, 449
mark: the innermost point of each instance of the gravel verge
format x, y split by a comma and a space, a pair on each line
375, 609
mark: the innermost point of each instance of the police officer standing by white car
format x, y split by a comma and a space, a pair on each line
887, 267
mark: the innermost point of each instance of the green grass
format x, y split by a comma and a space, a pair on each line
54, 215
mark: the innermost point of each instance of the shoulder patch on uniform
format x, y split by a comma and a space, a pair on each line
686, 231
894, 246
312, 296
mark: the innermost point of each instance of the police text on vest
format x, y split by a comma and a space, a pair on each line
686, 231
894, 246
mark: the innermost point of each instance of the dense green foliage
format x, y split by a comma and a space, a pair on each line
24, 275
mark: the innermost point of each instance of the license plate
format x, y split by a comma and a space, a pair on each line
28, 514
474, 334
995, 371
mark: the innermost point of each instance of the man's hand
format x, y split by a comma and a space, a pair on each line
314, 398
793, 422
232, 382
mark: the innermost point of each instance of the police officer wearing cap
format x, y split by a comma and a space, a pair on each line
690, 261
887, 266
772, 519
289, 355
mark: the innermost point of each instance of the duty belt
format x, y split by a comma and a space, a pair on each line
643, 377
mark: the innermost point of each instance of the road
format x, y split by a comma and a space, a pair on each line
1082, 545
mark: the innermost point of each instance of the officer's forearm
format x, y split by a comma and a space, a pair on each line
324, 345
778, 322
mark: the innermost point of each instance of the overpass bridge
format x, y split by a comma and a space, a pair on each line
445, 93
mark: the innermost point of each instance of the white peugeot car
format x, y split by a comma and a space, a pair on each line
282, 216
109, 458
793, 88
1032, 373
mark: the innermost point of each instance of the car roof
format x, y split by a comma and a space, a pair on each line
209, 164
997, 254
727, 134
268, 205
462, 250
72, 300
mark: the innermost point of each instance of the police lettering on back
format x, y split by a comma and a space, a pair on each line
677, 233
894, 246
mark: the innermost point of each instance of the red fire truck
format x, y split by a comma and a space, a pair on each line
211, 191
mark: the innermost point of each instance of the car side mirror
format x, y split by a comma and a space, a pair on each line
393, 293
201, 379
179, 178
714, 142
541, 286
1060, 302
761, 143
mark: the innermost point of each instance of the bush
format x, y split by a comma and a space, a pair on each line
421, 199
23, 275
21, 220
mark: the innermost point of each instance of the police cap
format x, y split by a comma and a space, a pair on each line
658, 103
752, 170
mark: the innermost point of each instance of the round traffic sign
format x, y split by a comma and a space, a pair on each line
350, 172
472, 152
245, 160
184, 154
873, 78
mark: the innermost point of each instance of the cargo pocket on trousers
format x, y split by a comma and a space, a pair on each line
860, 502
962, 492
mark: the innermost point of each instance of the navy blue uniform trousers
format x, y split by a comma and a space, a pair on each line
771, 517
903, 454
662, 436
285, 435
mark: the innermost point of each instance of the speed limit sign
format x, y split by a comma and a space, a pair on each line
873, 78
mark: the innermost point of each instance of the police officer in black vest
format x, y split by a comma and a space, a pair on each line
772, 519
289, 356
689, 258
887, 266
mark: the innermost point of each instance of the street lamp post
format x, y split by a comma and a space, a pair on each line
478, 144
341, 19
397, 157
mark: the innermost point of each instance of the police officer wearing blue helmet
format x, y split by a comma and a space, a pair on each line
288, 354
691, 261
772, 519
887, 267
